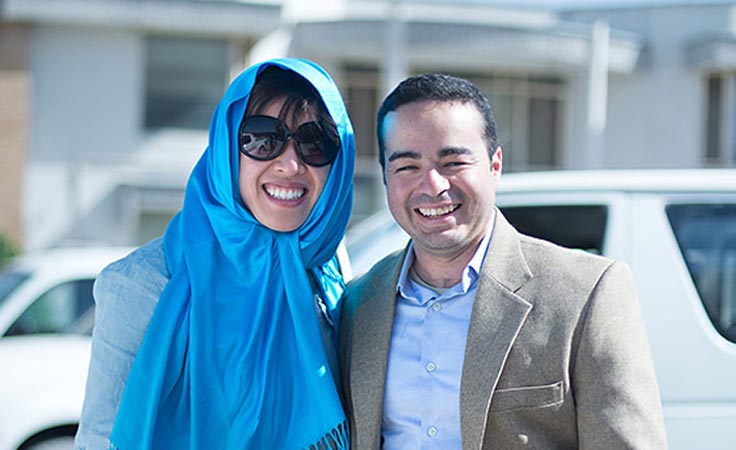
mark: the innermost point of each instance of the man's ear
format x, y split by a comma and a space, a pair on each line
497, 162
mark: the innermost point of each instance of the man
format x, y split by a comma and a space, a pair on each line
476, 336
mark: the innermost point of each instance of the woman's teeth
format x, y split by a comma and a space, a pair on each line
285, 194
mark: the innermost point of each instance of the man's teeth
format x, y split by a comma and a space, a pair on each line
435, 212
285, 194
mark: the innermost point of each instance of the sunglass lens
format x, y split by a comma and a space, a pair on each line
316, 148
261, 137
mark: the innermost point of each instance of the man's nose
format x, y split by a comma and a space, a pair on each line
434, 182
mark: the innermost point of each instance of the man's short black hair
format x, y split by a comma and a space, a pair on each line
440, 88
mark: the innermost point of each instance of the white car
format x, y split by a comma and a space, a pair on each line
46, 315
677, 231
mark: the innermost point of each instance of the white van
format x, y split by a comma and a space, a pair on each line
677, 231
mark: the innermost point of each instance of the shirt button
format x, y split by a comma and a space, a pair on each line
436, 306
431, 431
430, 367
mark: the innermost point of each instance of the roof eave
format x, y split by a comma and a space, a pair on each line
248, 19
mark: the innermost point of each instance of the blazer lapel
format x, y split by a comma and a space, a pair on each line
371, 339
498, 315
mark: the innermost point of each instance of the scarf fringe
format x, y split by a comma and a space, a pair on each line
337, 439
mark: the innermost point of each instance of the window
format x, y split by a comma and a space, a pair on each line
528, 113
706, 235
720, 120
543, 133
713, 146
361, 98
581, 227
65, 308
185, 79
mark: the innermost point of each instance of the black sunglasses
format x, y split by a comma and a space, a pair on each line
264, 138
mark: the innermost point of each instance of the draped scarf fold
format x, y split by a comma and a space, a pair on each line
233, 355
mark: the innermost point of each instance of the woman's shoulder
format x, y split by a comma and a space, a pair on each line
140, 276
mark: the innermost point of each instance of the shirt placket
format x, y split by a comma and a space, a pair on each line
431, 364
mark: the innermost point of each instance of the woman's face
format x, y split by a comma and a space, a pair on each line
281, 193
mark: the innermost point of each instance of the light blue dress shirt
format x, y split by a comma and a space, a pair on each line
425, 362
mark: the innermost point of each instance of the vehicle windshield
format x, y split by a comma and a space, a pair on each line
10, 279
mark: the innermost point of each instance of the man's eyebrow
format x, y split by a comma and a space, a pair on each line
406, 154
448, 151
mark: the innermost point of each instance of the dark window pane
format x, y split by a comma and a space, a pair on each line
713, 122
542, 133
185, 79
706, 235
580, 227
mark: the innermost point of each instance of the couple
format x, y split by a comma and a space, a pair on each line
235, 330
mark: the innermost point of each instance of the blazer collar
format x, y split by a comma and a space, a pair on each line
371, 338
498, 315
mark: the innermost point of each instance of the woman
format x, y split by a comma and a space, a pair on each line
242, 289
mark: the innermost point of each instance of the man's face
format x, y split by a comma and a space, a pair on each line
440, 182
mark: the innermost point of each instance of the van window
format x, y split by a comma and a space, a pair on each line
706, 235
62, 309
574, 226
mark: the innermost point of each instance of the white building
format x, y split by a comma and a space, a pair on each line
111, 98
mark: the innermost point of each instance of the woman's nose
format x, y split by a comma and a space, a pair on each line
288, 162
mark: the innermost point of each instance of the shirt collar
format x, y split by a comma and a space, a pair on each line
470, 274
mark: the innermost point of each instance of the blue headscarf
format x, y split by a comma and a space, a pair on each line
233, 356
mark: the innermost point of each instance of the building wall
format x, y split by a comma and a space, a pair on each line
87, 102
656, 116
15, 92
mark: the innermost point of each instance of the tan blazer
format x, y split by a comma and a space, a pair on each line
556, 358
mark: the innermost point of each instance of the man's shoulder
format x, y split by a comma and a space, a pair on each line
544, 254
571, 270
380, 274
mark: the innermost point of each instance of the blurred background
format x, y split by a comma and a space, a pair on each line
105, 106
106, 103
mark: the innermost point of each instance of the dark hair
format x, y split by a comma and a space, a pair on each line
300, 97
440, 88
